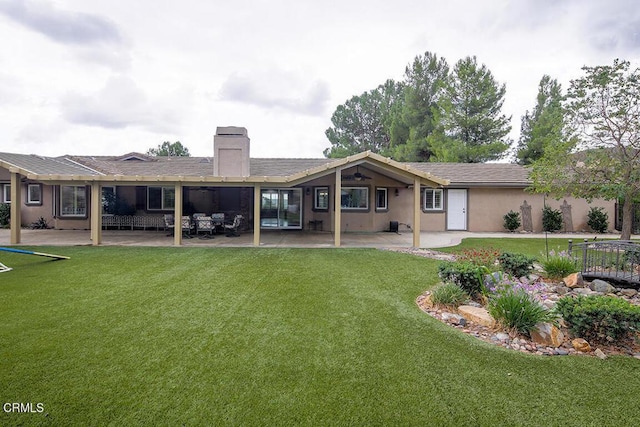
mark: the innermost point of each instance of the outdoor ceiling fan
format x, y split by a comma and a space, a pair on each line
358, 176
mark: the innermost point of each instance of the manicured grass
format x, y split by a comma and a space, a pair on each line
528, 246
200, 336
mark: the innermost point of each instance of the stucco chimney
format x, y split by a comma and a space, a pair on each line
231, 152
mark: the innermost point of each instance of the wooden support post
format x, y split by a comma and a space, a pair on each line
177, 213
416, 213
96, 214
257, 201
337, 206
16, 214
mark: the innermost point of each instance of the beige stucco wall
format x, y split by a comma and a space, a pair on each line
487, 206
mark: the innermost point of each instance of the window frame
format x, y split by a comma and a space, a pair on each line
354, 209
164, 198
31, 201
78, 212
6, 193
435, 207
385, 207
316, 198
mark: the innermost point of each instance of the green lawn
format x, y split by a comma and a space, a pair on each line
200, 336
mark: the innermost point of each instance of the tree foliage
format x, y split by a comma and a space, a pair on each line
602, 156
544, 125
425, 83
475, 130
363, 122
432, 115
169, 149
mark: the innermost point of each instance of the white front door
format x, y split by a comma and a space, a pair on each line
456, 209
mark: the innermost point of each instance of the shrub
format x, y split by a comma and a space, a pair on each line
600, 318
517, 265
40, 224
512, 220
464, 274
559, 264
480, 257
515, 309
449, 294
551, 219
5, 214
598, 220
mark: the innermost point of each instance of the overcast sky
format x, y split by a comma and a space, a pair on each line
115, 76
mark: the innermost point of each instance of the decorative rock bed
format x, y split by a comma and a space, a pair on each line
476, 321
478, 326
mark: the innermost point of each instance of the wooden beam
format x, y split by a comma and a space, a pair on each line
16, 203
177, 213
416, 212
257, 200
96, 213
337, 203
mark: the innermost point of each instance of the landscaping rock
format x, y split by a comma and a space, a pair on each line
547, 334
581, 344
628, 292
562, 290
600, 354
454, 319
574, 280
584, 291
477, 315
601, 286
500, 336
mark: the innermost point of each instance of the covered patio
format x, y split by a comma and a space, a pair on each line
286, 238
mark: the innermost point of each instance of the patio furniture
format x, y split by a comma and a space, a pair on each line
169, 223
218, 221
205, 225
233, 227
187, 226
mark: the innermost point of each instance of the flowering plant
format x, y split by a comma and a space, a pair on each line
480, 257
559, 264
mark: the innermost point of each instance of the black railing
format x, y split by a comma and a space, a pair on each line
613, 260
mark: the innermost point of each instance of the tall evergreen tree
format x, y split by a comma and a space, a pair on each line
424, 84
544, 125
364, 122
474, 129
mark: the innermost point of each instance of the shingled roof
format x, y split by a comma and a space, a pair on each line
31, 164
136, 164
478, 174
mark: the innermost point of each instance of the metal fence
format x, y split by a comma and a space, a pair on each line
615, 260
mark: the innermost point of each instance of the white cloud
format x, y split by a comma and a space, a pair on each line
274, 88
103, 77
122, 104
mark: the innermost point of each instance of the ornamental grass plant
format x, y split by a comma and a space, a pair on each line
448, 295
558, 264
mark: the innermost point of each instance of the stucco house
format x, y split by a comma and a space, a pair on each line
374, 193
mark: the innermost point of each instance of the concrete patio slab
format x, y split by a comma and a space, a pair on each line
290, 238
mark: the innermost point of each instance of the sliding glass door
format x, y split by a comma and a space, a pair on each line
281, 208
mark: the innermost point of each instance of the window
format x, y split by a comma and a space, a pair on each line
354, 198
34, 194
432, 199
321, 198
6, 193
73, 201
108, 199
161, 198
381, 199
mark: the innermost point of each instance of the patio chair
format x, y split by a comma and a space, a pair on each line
205, 224
169, 223
187, 226
232, 229
218, 221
